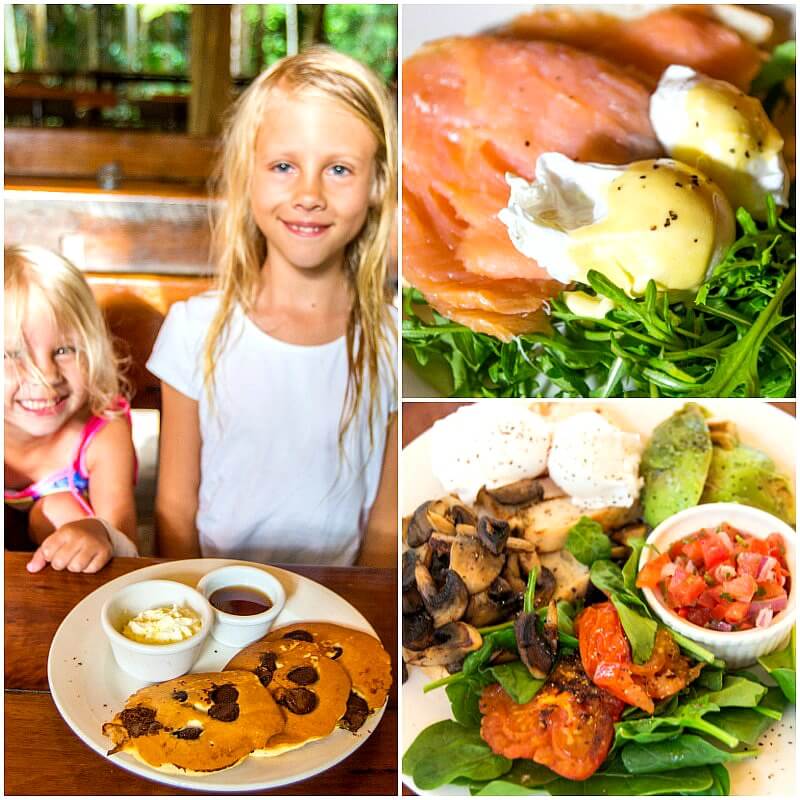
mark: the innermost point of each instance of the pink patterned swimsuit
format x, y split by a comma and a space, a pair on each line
73, 479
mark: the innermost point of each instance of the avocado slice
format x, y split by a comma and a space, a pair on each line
675, 464
744, 475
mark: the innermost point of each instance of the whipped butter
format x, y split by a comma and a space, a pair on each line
166, 625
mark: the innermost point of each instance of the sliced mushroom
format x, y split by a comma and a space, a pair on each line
537, 650
476, 566
417, 630
412, 599
441, 541
447, 605
451, 643
419, 528
527, 561
493, 534
439, 566
637, 530
497, 603
512, 574
461, 515
545, 588
437, 516
520, 493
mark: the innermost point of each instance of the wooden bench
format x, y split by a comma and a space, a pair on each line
135, 305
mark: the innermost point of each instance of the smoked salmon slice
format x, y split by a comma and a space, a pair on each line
647, 45
473, 109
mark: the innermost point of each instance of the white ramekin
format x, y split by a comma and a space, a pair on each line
154, 662
736, 648
234, 630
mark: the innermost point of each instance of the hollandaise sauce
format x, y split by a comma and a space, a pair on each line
726, 133
660, 225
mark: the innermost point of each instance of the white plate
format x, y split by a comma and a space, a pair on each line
760, 425
88, 688
424, 22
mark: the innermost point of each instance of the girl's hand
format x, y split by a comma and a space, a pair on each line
80, 546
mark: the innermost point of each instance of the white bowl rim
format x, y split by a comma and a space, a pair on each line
239, 620
206, 619
785, 618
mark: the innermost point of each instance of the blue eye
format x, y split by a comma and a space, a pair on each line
340, 169
282, 167
64, 350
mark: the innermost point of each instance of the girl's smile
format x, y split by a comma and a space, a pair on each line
314, 169
44, 381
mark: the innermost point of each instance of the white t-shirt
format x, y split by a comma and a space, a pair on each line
274, 487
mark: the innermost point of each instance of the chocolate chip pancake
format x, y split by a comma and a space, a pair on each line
197, 723
311, 690
361, 655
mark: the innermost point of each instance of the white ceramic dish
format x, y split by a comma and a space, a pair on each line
736, 648
238, 631
759, 424
88, 687
154, 662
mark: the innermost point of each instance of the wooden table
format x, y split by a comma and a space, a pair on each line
44, 757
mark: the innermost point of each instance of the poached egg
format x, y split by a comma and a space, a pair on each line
594, 462
488, 444
658, 220
714, 127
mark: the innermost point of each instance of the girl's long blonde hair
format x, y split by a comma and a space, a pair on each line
76, 314
240, 248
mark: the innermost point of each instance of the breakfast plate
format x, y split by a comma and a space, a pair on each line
88, 687
759, 425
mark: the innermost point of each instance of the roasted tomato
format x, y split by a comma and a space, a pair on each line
606, 657
568, 726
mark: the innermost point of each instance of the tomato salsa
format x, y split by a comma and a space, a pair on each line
721, 578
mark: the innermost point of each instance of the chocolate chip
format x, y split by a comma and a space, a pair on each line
302, 676
225, 694
264, 675
180, 696
298, 701
188, 733
334, 653
269, 661
356, 713
300, 635
139, 721
224, 712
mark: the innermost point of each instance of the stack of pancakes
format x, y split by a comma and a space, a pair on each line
295, 686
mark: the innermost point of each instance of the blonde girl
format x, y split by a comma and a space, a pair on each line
69, 458
278, 417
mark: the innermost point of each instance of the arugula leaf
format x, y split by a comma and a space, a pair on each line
588, 542
734, 337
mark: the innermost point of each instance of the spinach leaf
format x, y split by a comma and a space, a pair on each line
777, 69
525, 775
503, 788
773, 703
735, 691
516, 679
617, 781
781, 667
685, 751
530, 591
631, 568
721, 786
746, 724
710, 679
588, 542
464, 697
445, 751
640, 630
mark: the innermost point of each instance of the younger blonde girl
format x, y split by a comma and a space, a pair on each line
69, 458
278, 427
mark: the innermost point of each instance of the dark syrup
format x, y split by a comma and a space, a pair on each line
243, 601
